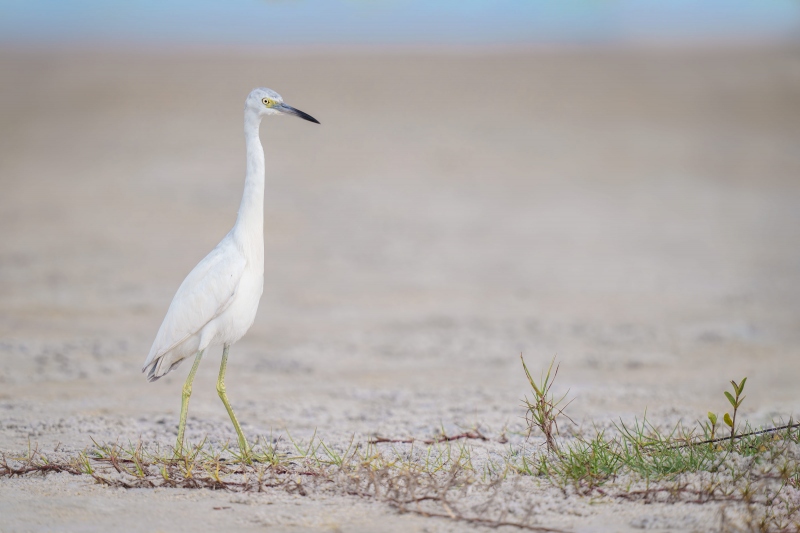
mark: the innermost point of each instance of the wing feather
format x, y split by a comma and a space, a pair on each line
205, 294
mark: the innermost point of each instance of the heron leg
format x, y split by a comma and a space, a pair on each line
187, 392
243, 447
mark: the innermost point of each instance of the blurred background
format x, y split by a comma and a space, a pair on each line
260, 23
614, 183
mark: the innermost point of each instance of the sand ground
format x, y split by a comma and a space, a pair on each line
634, 213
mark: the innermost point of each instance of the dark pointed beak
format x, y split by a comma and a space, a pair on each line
289, 110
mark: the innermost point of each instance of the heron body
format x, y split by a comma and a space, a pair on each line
217, 302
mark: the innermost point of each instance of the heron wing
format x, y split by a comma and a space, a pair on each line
205, 294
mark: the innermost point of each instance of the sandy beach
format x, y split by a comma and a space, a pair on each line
635, 214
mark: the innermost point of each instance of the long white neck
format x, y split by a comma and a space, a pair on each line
249, 227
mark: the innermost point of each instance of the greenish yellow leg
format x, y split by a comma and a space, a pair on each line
243, 447
187, 392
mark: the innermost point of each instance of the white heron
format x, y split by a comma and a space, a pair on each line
217, 302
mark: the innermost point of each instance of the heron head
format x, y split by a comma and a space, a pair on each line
267, 102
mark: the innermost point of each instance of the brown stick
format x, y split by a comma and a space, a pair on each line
720, 439
477, 435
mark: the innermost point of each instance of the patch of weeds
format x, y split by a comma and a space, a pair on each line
430, 480
755, 473
35, 462
584, 463
651, 453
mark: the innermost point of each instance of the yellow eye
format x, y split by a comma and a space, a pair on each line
267, 102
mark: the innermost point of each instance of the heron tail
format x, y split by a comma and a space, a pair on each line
162, 365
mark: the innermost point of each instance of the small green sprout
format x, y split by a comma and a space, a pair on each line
712, 426
735, 401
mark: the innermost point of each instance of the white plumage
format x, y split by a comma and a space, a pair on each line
217, 302
203, 313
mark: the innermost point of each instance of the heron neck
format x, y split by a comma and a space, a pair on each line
250, 221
